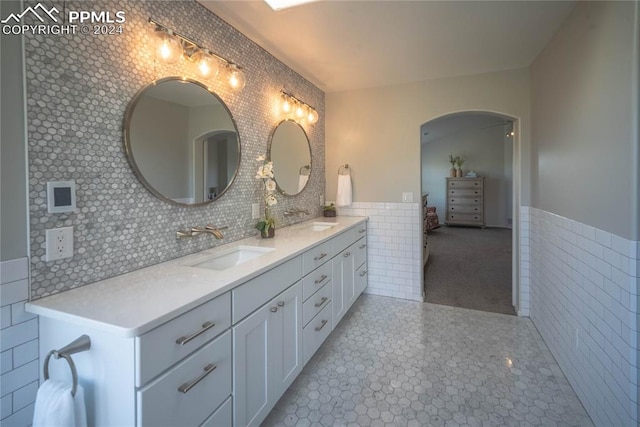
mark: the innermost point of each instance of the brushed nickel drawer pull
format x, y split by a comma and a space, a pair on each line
321, 279
274, 309
184, 388
347, 255
322, 301
318, 328
362, 246
362, 230
318, 258
363, 273
280, 303
205, 327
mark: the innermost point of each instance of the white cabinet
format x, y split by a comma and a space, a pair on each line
344, 292
267, 356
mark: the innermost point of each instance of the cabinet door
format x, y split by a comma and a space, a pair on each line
286, 338
343, 284
362, 277
251, 341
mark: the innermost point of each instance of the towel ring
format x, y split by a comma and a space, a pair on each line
74, 372
302, 168
346, 169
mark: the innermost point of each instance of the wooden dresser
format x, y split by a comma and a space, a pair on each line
465, 201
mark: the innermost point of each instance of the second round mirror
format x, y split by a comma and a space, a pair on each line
290, 153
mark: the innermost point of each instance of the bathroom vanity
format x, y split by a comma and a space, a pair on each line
210, 339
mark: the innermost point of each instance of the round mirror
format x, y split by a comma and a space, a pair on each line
290, 153
181, 142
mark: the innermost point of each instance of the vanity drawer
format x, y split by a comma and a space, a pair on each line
315, 257
342, 241
186, 395
248, 297
163, 346
314, 281
360, 252
316, 303
222, 416
314, 334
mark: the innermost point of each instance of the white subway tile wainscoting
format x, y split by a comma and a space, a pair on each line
584, 302
395, 247
18, 346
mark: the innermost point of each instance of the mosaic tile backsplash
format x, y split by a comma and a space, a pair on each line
78, 89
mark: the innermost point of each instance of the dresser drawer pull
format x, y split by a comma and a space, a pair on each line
321, 279
321, 303
362, 246
318, 328
362, 230
347, 255
184, 388
318, 258
205, 327
363, 273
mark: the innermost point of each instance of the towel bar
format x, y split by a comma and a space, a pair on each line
83, 343
346, 169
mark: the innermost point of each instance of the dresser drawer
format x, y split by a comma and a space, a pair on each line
464, 192
464, 209
464, 218
187, 394
163, 346
315, 257
360, 252
477, 200
252, 294
317, 279
464, 183
314, 334
316, 303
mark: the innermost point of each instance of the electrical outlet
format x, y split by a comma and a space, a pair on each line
407, 197
59, 243
255, 211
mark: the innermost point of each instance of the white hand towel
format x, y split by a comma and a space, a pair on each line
343, 196
56, 407
302, 181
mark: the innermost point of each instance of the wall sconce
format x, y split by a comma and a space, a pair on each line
301, 111
170, 46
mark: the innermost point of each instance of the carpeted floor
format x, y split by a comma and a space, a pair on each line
470, 268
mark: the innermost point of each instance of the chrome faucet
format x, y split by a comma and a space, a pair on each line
294, 211
194, 231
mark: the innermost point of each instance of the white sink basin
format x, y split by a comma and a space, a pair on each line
321, 226
232, 257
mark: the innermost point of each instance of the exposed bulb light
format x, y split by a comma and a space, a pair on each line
168, 47
300, 111
293, 108
207, 65
236, 80
312, 116
286, 104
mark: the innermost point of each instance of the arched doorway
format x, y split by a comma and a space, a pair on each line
489, 144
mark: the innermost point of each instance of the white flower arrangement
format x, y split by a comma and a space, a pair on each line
265, 173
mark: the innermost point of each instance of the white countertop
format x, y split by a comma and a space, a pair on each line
134, 303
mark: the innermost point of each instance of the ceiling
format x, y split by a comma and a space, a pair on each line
346, 45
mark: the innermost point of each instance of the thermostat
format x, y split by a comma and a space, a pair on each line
61, 196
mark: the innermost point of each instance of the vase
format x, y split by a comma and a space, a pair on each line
269, 234
452, 172
329, 214
458, 173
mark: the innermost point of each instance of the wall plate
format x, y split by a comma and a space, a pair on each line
61, 196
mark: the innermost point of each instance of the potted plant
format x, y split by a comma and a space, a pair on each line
267, 225
452, 160
329, 210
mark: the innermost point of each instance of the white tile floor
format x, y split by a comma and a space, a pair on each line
394, 362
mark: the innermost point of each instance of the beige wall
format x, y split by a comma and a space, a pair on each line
585, 119
377, 131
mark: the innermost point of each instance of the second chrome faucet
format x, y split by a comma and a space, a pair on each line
207, 229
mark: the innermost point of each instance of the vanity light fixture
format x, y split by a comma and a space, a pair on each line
301, 111
171, 46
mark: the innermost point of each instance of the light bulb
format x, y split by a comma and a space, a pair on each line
301, 110
208, 66
286, 104
237, 79
168, 47
312, 117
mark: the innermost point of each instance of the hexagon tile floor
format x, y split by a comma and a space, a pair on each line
393, 362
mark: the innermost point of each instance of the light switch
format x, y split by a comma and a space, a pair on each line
407, 197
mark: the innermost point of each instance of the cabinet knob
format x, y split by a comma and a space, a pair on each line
274, 309
362, 246
205, 327
347, 255
318, 328
322, 301
318, 258
364, 273
280, 303
362, 230
321, 279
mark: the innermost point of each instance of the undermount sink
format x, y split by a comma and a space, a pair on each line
321, 226
232, 257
